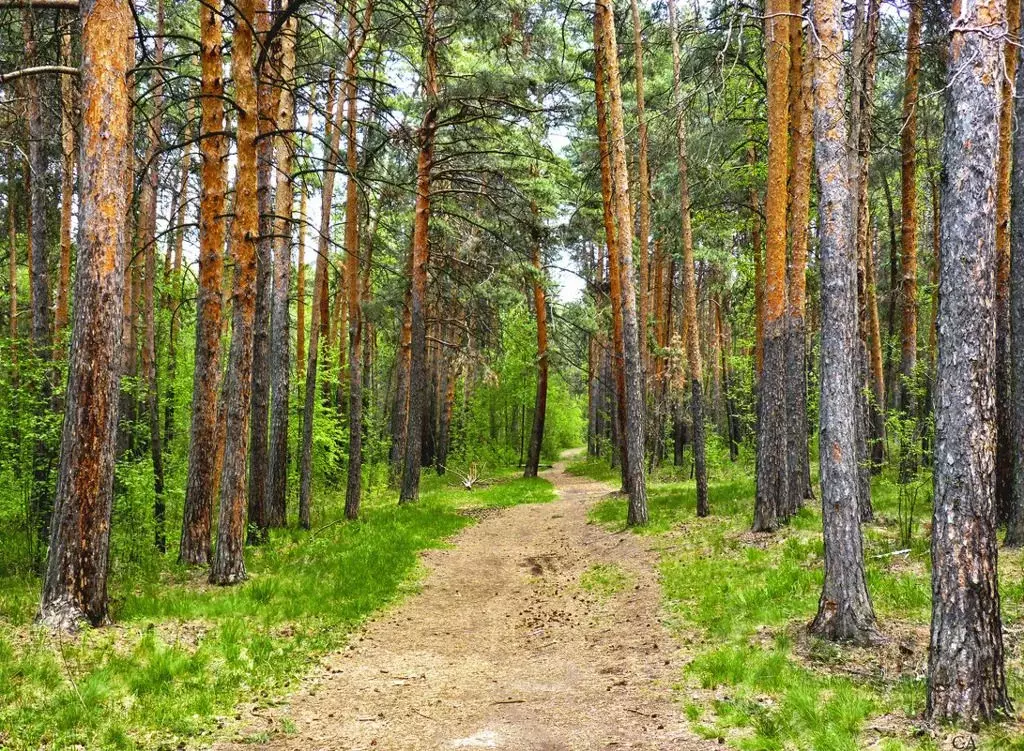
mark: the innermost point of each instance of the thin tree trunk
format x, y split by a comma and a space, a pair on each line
689, 309
417, 411
540, 402
1004, 355
267, 97
1015, 524
203, 470
966, 674
633, 422
67, 187
146, 233
844, 610
400, 412
229, 561
756, 252
908, 213
75, 585
300, 277
801, 70
643, 185
39, 275
12, 278
618, 453
771, 504
276, 499
353, 489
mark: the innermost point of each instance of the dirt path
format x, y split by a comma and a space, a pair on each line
503, 649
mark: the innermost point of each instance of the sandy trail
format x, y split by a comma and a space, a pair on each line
503, 649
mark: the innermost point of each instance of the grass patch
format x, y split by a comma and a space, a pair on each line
595, 468
182, 654
741, 602
604, 580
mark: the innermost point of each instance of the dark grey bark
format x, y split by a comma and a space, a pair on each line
966, 678
863, 431
844, 609
799, 481
259, 451
541, 397
1015, 525
275, 501
39, 247
419, 260
770, 503
275, 511
75, 585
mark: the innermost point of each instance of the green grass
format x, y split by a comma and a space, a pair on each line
604, 580
182, 654
741, 603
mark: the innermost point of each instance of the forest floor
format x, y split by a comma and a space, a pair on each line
535, 630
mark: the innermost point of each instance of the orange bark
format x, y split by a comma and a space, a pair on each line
777, 33
642, 182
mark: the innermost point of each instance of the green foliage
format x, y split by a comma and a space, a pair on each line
499, 417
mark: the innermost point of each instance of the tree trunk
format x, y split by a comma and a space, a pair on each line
619, 448
146, 233
410, 490
871, 433
908, 212
75, 586
801, 70
41, 503
771, 504
642, 184
689, 309
633, 422
276, 499
758, 255
400, 411
1015, 524
353, 490
267, 97
844, 610
203, 471
300, 278
12, 276
540, 402
67, 188
966, 678
229, 561
1004, 355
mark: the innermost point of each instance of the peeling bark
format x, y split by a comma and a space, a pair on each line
966, 678
844, 610
417, 411
229, 561
276, 498
75, 585
203, 440
633, 422
771, 505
